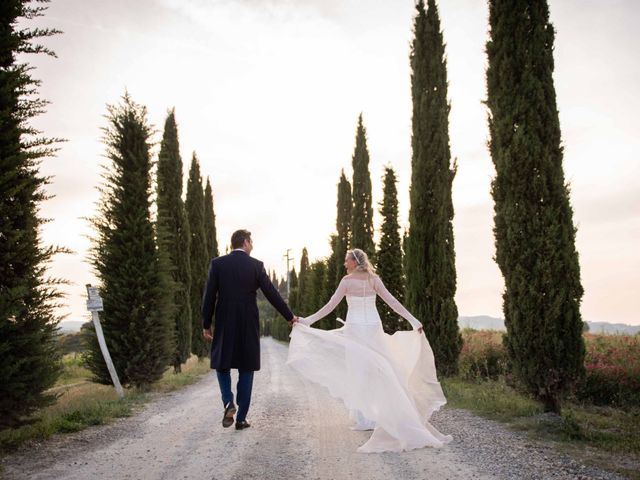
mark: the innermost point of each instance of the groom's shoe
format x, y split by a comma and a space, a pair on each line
242, 424
229, 412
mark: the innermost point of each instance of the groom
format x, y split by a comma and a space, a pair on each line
231, 292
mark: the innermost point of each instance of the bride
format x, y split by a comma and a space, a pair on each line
388, 382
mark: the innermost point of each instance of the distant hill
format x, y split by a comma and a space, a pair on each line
613, 328
477, 322
481, 322
485, 322
70, 326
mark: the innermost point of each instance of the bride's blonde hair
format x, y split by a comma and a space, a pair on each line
362, 261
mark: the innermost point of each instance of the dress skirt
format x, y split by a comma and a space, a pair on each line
386, 381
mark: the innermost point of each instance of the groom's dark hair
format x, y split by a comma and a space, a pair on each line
238, 238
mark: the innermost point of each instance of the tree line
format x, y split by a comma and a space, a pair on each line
152, 268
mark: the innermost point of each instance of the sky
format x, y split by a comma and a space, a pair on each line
268, 92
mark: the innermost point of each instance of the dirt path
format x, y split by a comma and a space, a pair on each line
298, 432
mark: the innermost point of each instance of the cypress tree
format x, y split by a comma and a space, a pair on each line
362, 213
389, 255
173, 235
343, 236
28, 324
328, 281
534, 231
317, 290
332, 264
293, 279
293, 291
137, 321
405, 239
302, 295
199, 256
210, 234
431, 275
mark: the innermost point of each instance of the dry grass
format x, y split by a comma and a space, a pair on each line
81, 403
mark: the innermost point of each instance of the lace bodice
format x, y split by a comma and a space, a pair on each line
357, 287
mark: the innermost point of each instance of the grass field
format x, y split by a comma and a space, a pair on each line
604, 436
81, 403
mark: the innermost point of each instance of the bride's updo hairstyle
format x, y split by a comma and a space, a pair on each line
362, 261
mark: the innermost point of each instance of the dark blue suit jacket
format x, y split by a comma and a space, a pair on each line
231, 293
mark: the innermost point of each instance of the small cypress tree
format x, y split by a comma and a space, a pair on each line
210, 234
328, 282
293, 291
28, 323
431, 274
362, 213
293, 279
389, 255
331, 264
317, 291
343, 235
173, 237
199, 257
534, 231
302, 295
137, 318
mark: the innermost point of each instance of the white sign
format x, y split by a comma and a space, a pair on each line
94, 303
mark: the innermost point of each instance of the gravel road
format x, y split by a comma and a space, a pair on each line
298, 432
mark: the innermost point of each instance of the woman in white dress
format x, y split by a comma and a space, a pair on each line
388, 382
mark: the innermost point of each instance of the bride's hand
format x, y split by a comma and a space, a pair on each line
420, 330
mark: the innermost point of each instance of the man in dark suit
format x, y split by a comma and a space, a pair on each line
231, 293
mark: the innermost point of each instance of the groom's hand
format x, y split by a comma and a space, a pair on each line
206, 333
293, 321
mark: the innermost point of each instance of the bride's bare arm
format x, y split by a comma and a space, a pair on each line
393, 302
329, 307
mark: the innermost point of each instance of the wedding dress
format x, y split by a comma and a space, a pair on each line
388, 382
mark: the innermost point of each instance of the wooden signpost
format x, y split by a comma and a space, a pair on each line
94, 305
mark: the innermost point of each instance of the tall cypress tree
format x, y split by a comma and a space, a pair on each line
389, 255
362, 213
173, 237
431, 274
534, 231
199, 256
28, 333
137, 321
343, 235
210, 234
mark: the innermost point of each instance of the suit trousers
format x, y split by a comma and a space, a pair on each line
243, 389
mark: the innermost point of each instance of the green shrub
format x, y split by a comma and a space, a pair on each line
612, 365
